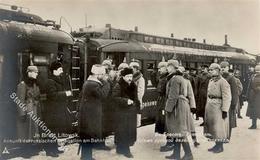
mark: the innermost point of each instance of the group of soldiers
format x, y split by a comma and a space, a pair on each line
111, 102
215, 94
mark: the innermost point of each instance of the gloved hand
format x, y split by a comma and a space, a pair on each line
193, 110
224, 114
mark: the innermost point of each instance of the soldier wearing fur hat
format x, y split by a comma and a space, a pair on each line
234, 93
178, 115
56, 115
216, 120
28, 93
125, 98
94, 91
140, 83
253, 109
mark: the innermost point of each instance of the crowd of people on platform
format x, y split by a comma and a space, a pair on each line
111, 101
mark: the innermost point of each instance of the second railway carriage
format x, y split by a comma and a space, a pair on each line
99, 44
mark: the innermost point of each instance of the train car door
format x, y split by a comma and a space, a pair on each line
150, 97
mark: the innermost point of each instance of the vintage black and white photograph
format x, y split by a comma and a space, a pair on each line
129, 79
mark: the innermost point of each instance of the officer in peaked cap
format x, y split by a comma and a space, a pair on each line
216, 114
224, 65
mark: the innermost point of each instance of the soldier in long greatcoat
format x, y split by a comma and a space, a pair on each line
178, 115
28, 93
203, 82
161, 89
234, 93
125, 98
216, 125
160, 116
94, 91
253, 109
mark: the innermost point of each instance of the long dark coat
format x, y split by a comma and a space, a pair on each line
109, 111
56, 115
126, 115
235, 97
28, 93
203, 82
160, 117
253, 109
91, 108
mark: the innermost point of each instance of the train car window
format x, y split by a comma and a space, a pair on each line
177, 43
158, 40
167, 42
146, 39
172, 42
184, 44
152, 74
151, 39
162, 41
140, 38
40, 60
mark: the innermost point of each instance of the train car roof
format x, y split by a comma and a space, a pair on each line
34, 32
108, 45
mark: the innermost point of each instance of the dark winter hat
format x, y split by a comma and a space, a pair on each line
55, 65
224, 64
126, 71
32, 69
204, 66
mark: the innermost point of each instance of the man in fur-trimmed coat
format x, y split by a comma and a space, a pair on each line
125, 98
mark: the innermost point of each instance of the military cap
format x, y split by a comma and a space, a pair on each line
214, 66
162, 63
32, 69
98, 69
181, 69
173, 63
107, 62
224, 64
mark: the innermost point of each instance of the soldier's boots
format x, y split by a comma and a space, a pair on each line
252, 127
187, 157
124, 151
213, 148
254, 124
218, 148
176, 152
167, 147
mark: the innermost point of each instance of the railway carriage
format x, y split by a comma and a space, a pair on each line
117, 44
